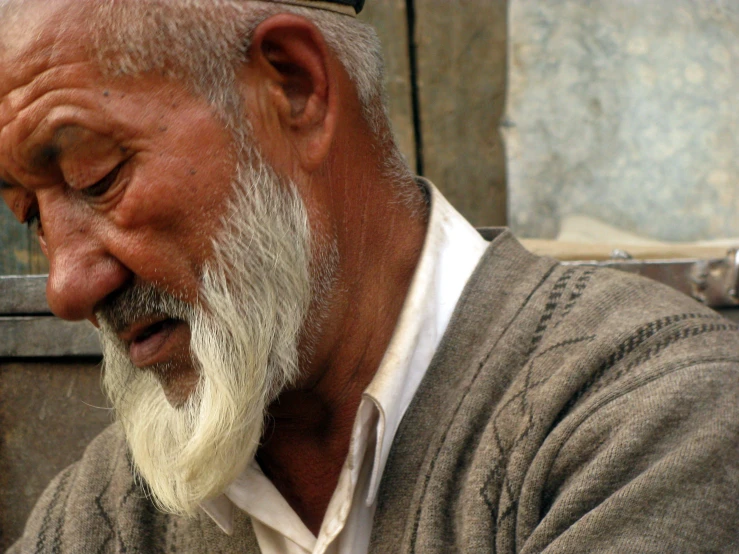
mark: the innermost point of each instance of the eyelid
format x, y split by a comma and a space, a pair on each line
102, 186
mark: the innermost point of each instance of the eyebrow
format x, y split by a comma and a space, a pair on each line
40, 157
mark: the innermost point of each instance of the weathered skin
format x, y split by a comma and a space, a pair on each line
63, 132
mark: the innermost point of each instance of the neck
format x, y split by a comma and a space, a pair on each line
309, 429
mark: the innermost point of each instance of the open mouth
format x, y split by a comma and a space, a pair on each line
150, 344
153, 329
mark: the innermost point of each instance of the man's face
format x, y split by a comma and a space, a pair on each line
191, 254
129, 178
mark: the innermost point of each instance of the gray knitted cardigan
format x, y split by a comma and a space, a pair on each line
566, 410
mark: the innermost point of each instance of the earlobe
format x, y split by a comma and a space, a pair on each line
290, 54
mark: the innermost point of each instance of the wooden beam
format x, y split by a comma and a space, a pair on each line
40, 337
23, 295
389, 19
461, 61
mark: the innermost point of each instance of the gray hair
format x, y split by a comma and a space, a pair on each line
203, 42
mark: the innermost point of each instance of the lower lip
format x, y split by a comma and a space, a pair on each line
160, 347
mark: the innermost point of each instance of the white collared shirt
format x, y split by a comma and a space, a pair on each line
451, 251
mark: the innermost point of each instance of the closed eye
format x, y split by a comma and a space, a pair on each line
103, 185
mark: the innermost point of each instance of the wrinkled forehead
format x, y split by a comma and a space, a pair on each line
36, 34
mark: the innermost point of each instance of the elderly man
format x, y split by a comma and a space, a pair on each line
306, 348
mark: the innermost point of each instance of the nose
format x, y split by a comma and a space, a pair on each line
82, 272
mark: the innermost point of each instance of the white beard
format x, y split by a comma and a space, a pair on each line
244, 334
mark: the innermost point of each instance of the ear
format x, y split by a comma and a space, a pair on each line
291, 89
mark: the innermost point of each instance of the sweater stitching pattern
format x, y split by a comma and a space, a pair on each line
510, 501
116, 530
508, 496
148, 519
577, 291
131, 489
659, 374
555, 296
674, 337
147, 512
597, 381
480, 365
46, 521
173, 528
106, 518
537, 384
497, 470
56, 543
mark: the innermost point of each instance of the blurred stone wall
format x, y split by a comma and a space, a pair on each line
625, 111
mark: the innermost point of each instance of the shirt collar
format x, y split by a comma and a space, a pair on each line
451, 251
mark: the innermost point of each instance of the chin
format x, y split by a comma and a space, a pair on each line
178, 380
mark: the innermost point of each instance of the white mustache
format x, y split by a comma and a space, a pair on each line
140, 301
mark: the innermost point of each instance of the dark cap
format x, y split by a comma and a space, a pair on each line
356, 4
347, 7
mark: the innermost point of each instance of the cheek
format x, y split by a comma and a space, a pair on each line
172, 200
177, 194
167, 239
163, 259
